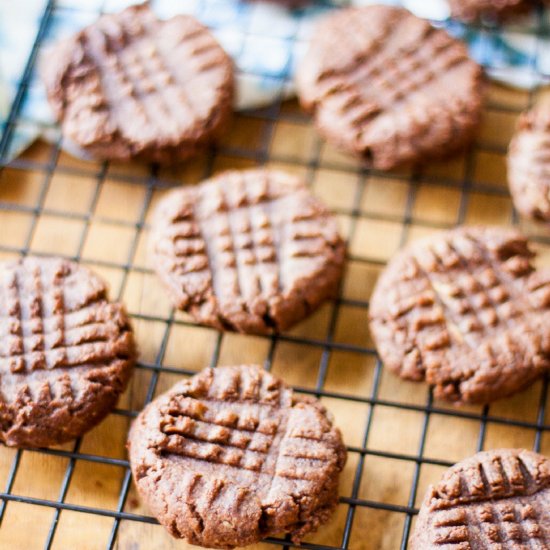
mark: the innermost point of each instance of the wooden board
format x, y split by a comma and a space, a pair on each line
101, 217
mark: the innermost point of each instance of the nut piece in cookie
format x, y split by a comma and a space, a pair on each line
252, 251
66, 351
232, 455
385, 85
466, 311
494, 499
529, 164
132, 86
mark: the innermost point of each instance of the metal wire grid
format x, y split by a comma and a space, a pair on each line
270, 116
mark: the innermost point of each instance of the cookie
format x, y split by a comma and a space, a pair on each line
232, 455
66, 352
132, 86
251, 251
387, 86
466, 311
472, 10
529, 164
494, 499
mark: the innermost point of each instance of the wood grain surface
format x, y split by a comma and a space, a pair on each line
100, 215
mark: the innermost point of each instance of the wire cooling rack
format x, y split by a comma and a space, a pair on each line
399, 439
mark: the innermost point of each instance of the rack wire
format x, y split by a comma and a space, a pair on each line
394, 225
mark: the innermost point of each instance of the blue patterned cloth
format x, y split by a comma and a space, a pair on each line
265, 40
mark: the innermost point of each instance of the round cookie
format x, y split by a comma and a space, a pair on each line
472, 10
494, 499
132, 86
466, 311
390, 87
529, 164
232, 455
66, 352
251, 251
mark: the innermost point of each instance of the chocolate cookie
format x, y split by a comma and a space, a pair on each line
132, 86
66, 352
251, 251
495, 499
471, 10
232, 456
466, 311
529, 164
386, 85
